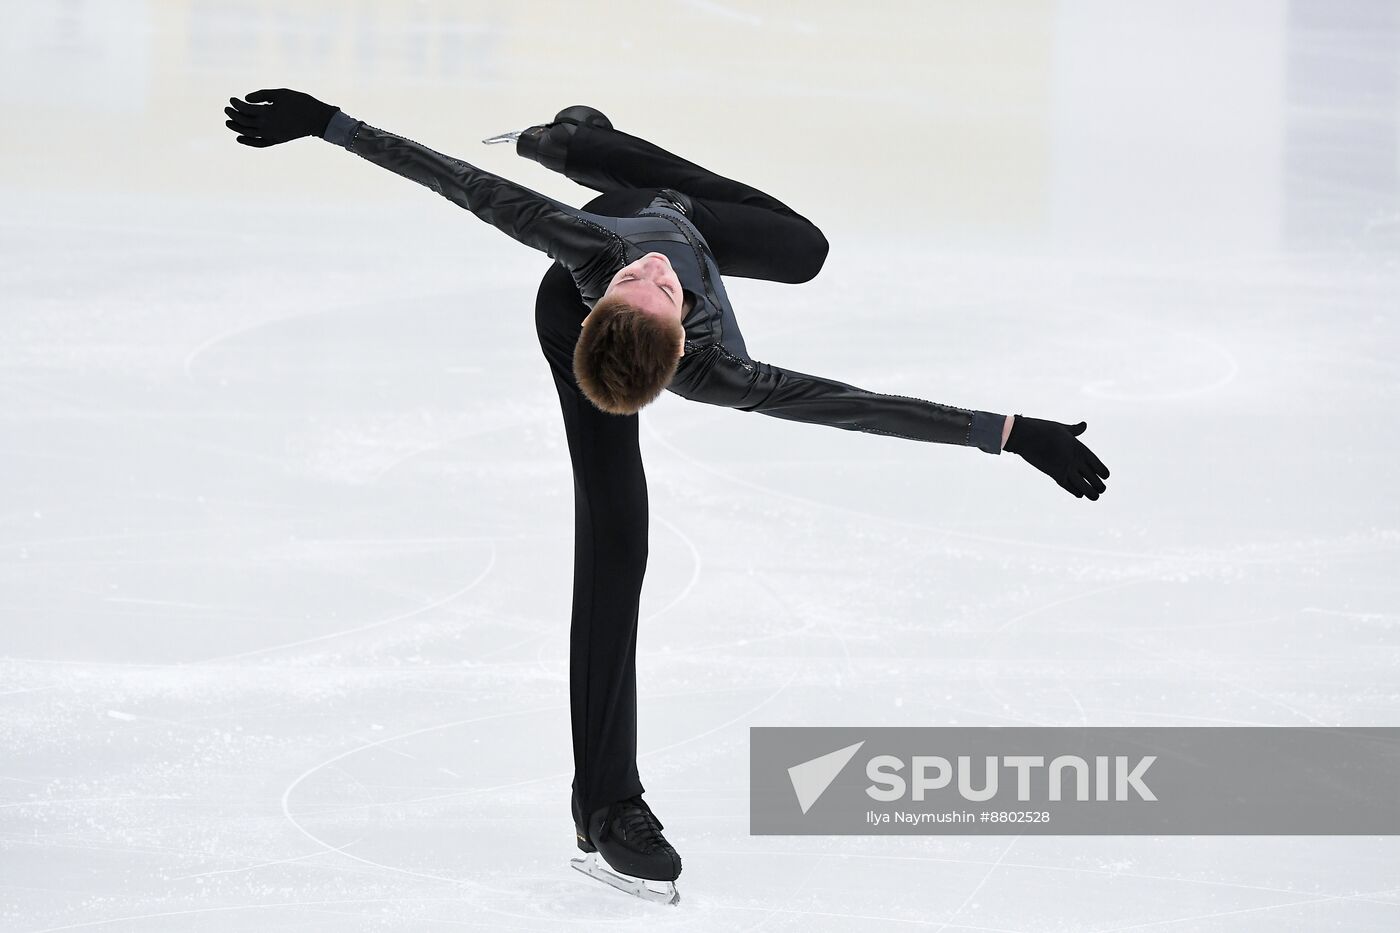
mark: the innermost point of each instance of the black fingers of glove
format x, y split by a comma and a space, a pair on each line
277, 115
246, 125
1055, 450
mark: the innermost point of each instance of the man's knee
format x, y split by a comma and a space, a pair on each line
812, 257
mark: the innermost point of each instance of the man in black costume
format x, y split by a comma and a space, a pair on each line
633, 305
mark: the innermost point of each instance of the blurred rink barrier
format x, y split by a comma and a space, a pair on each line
967, 118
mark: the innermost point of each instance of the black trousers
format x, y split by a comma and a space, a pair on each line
752, 235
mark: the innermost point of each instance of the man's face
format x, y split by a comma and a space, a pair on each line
650, 284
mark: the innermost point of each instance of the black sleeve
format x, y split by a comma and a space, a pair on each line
714, 375
587, 244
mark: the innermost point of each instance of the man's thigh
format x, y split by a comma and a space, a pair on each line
623, 202
758, 243
747, 242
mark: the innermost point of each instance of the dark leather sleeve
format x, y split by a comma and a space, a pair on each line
713, 375
584, 243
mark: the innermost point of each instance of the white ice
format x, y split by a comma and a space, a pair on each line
286, 508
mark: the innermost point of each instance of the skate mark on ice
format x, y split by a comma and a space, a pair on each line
86, 408
1000, 635
436, 604
476, 886
443, 443
685, 591
10, 693
188, 363
47, 841
211, 910
378, 743
1305, 901
1163, 651
696, 563
473, 791
256, 866
59, 801
989, 683
991, 869
1055, 547
1035, 866
724, 725
1123, 584
807, 628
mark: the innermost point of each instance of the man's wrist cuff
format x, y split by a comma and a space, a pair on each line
341, 129
986, 431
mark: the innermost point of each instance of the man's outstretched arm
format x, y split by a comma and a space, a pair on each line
584, 243
566, 234
713, 375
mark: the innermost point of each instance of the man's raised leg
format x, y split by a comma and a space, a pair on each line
751, 233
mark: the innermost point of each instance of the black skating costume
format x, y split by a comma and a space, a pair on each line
707, 226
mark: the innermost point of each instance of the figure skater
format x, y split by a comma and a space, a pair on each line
634, 304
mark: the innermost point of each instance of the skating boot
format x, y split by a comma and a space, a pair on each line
627, 835
548, 143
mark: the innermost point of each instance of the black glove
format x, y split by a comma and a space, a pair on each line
1053, 449
285, 116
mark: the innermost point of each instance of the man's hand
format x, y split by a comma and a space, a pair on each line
1054, 449
277, 116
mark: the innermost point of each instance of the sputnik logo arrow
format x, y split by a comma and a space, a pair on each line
810, 779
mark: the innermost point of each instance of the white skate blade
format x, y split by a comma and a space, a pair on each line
503, 137
594, 867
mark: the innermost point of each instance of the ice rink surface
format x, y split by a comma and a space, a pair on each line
286, 513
